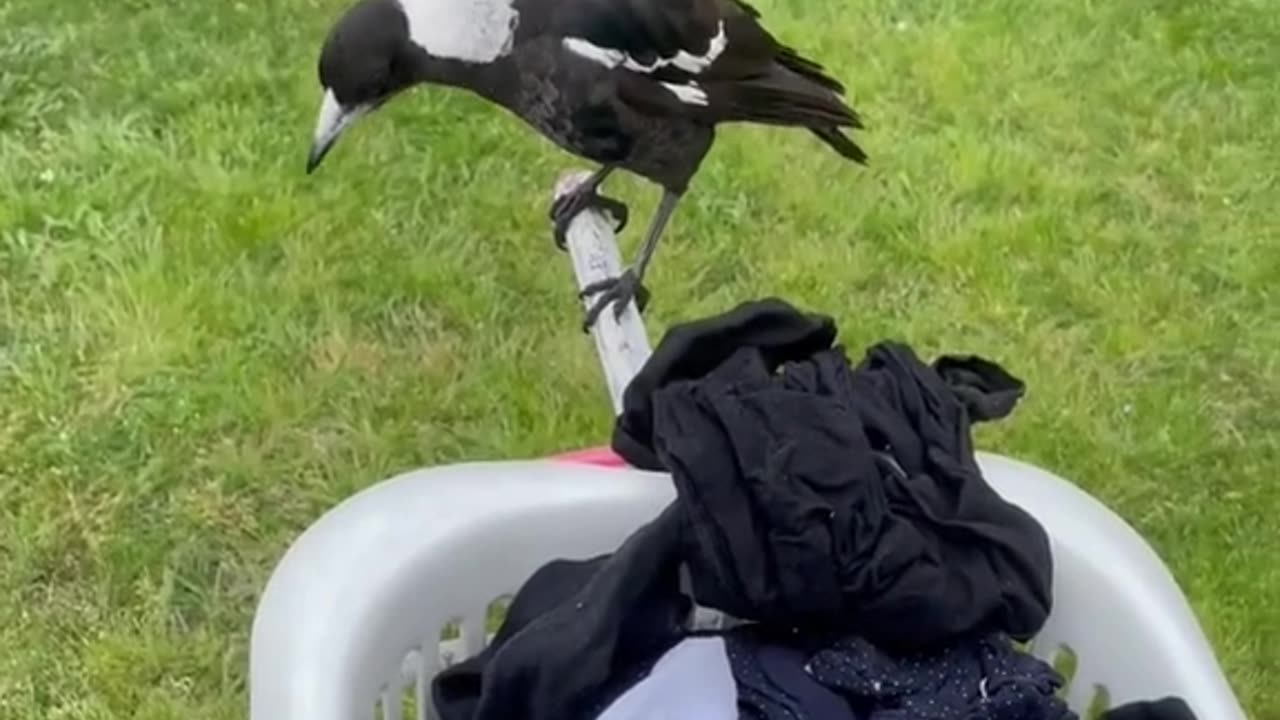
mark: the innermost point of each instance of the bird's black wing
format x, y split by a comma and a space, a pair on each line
710, 59
651, 35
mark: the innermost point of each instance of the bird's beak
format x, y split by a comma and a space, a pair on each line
332, 121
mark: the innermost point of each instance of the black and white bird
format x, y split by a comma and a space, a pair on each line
633, 84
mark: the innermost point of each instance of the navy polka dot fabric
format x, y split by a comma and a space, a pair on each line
987, 679
984, 680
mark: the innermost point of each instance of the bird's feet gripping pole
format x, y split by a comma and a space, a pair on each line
627, 286
622, 289
567, 206
617, 290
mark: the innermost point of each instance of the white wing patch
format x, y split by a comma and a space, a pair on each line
594, 53
689, 94
682, 60
476, 31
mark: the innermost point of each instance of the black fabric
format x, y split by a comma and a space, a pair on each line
820, 494
1170, 708
809, 494
577, 635
986, 679
693, 349
987, 391
456, 690
773, 682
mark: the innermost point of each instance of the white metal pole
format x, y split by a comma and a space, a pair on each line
621, 343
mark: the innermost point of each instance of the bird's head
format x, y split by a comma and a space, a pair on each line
379, 48
366, 60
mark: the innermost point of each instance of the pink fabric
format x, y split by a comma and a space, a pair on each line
603, 456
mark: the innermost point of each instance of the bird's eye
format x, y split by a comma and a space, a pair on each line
386, 82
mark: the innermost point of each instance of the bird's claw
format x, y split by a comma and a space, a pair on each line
567, 206
617, 290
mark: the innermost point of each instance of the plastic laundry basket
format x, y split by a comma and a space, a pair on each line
351, 618
350, 621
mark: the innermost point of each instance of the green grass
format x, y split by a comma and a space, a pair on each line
202, 349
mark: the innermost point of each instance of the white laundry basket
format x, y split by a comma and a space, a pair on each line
350, 621
352, 616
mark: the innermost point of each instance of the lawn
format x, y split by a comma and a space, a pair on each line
202, 348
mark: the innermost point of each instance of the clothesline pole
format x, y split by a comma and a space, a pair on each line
621, 344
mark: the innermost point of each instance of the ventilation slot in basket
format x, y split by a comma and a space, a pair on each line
402, 699
450, 647
460, 638
1067, 663
1101, 703
402, 705
495, 614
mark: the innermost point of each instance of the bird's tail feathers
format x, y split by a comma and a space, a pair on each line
781, 97
795, 62
787, 98
840, 143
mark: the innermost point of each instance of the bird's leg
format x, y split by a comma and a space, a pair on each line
666, 206
620, 290
567, 206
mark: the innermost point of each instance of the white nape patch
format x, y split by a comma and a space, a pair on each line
682, 60
476, 31
689, 94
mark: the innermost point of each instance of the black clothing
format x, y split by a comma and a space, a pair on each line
773, 681
693, 349
577, 635
1170, 708
810, 494
820, 494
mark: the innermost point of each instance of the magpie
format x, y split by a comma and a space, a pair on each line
634, 84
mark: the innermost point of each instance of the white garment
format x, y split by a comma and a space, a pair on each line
692, 681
